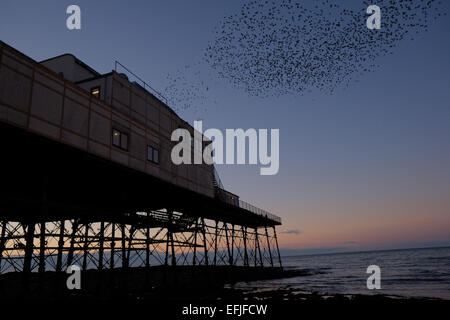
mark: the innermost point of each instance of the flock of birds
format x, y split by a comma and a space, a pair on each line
278, 47
188, 88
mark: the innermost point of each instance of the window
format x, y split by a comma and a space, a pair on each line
124, 141
95, 91
120, 139
152, 154
116, 138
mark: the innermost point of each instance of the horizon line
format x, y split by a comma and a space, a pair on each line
357, 251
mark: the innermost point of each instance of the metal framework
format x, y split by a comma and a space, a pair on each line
142, 239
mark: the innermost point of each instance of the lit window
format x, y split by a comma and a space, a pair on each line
116, 138
96, 92
120, 139
155, 156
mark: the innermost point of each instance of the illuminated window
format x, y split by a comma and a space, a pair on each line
96, 92
152, 154
120, 139
116, 138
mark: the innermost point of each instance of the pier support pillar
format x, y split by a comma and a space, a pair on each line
60, 246
244, 235
278, 249
166, 258
85, 245
42, 244
147, 246
75, 225
130, 243
113, 245
172, 246
258, 247
232, 245
230, 258
215, 243
194, 259
205, 243
2, 242
29, 247
101, 244
268, 246
124, 241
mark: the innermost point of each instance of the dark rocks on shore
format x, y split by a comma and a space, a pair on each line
167, 290
179, 282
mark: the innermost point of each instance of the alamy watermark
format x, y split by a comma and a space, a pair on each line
73, 21
209, 147
374, 280
74, 279
374, 20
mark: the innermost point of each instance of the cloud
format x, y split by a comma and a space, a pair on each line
292, 231
310, 251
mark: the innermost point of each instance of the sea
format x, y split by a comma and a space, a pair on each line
403, 273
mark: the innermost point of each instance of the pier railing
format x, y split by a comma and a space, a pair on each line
234, 200
259, 211
144, 85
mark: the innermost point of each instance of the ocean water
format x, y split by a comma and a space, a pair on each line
406, 273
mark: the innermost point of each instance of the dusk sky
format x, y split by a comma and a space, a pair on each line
367, 167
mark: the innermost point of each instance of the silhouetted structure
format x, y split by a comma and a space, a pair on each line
87, 179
